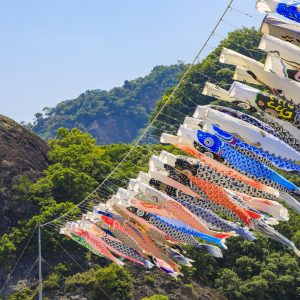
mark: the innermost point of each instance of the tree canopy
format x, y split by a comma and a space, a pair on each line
110, 116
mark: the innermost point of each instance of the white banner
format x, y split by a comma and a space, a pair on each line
244, 131
281, 29
270, 104
283, 58
290, 10
250, 68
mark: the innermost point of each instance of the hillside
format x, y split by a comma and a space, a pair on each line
110, 116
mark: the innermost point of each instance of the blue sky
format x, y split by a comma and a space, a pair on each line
53, 50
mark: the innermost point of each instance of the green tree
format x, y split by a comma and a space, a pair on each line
21, 294
229, 284
99, 282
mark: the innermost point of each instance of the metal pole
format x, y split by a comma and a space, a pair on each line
40, 265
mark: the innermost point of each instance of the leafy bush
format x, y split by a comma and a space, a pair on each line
52, 282
7, 249
156, 297
149, 280
21, 294
99, 282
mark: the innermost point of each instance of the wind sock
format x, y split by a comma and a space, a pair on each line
239, 97
125, 250
159, 170
270, 104
272, 208
284, 30
212, 126
178, 257
281, 134
177, 235
141, 233
180, 226
115, 221
113, 244
208, 190
283, 58
213, 161
218, 194
217, 92
97, 244
107, 223
271, 147
252, 71
175, 209
139, 214
80, 240
120, 205
192, 166
289, 10
194, 148
201, 207
198, 229
256, 153
243, 163
236, 158
213, 176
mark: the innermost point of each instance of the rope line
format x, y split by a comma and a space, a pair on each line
75, 261
9, 275
30, 270
77, 288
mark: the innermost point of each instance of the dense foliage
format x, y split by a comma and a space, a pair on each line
110, 116
99, 282
249, 270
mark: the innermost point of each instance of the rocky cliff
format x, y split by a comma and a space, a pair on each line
21, 153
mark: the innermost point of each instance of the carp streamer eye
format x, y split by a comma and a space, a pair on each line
244, 105
140, 213
209, 142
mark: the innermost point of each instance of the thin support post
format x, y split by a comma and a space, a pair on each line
40, 265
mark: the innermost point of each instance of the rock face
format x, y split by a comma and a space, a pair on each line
21, 153
111, 130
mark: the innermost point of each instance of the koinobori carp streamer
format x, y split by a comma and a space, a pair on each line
226, 184
290, 10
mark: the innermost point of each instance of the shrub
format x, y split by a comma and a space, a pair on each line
157, 297
52, 282
148, 279
99, 282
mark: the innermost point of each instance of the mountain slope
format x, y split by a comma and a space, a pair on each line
110, 116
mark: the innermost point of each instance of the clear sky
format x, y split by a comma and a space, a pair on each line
53, 50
